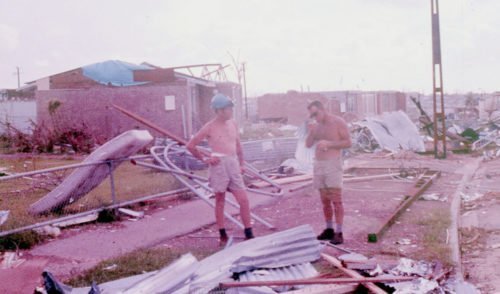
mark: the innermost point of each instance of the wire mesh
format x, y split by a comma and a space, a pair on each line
17, 195
28, 180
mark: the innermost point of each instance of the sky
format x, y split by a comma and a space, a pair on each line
316, 45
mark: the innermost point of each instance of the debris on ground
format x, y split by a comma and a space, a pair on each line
4, 215
286, 254
391, 131
11, 260
47, 230
84, 179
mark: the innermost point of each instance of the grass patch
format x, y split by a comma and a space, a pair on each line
22, 240
134, 263
434, 236
18, 194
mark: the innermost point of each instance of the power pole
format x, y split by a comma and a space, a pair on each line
437, 93
18, 77
245, 90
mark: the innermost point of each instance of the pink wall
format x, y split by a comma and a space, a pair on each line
93, 108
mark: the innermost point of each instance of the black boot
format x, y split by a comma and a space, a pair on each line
223, 238
338, 238
327, 234
248, 233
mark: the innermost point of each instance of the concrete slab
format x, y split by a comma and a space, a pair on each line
92, 246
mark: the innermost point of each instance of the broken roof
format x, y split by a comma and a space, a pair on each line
114, 72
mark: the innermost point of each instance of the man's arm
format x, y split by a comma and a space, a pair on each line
198, 137
344, 138
311, 134
239, 149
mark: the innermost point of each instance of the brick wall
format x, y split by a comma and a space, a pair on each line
92, 107
154, 75
292, 106
72, 79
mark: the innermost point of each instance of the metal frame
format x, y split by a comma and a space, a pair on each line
437, 83
168, 165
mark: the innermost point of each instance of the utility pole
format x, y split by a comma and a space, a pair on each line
437, 94
245, 90
18, 77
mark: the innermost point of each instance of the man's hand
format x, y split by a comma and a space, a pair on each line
311, 126
323, 145
212, 160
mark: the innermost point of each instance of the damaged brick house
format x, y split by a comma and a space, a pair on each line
177, 102
291, 107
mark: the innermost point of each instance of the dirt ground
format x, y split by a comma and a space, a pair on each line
368, 204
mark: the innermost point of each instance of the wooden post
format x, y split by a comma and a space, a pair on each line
369, 285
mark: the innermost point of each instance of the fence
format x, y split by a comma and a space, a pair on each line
275, 150
124, 184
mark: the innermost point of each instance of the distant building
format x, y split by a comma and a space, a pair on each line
291, 107
489, 104
26, 92
177, 102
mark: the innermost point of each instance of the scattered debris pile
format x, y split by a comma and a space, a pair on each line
391, 131
276, 263
84, 179
287, 254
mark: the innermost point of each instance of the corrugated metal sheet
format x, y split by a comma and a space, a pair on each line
282, 255
282, 249
394, 131
294, 272
114, 72
168, 279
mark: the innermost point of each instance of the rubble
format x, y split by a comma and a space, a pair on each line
48, 231
11, 260
84, 179
286, 254
392, 131
4, 215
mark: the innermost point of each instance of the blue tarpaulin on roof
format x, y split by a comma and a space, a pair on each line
114, 72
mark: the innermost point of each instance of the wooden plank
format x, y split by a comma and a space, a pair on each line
150, 124
335, 262
360, 280
370, 264
422, 184
294, 179
132, 213
301, 178
76, 221
326, 289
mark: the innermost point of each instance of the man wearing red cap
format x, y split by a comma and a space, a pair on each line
225, 162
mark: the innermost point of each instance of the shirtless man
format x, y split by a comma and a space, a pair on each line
225, 162
331, 135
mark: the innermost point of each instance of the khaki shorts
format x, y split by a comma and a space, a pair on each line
226, 175
328, 173
332, 194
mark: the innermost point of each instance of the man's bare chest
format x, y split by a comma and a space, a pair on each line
223, 133
327, 132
